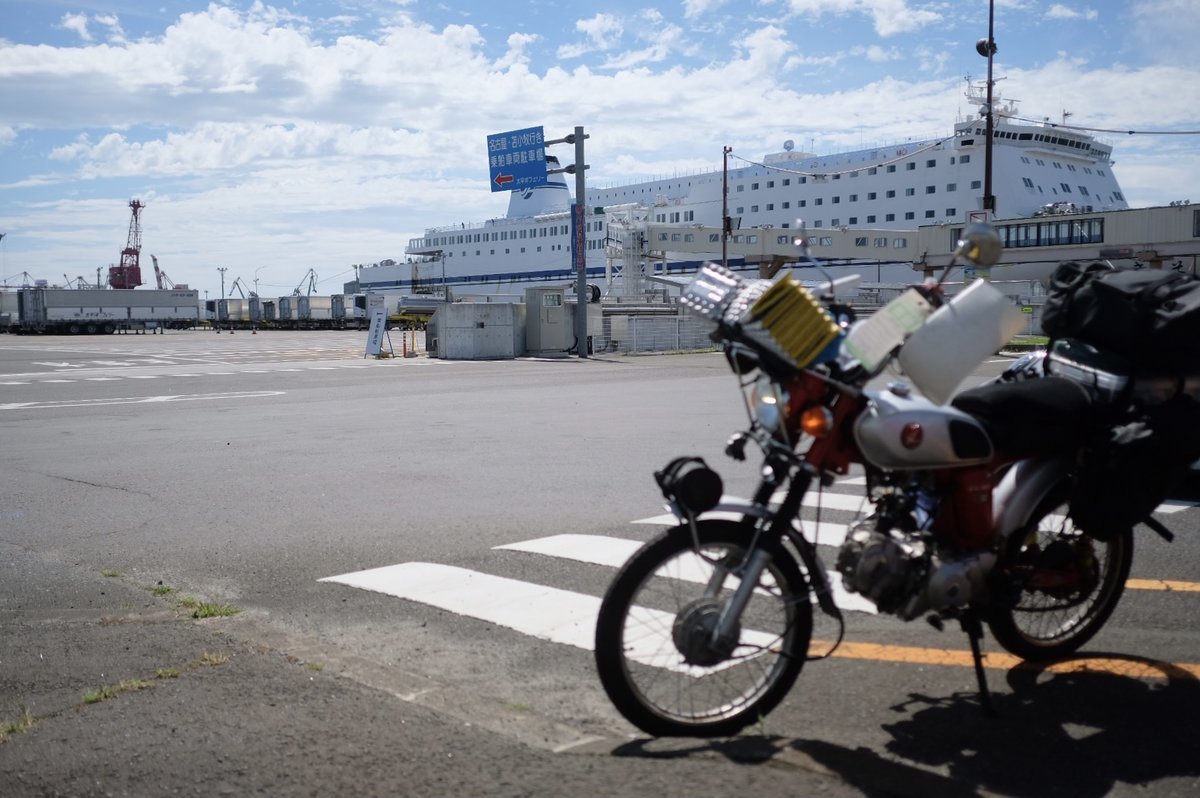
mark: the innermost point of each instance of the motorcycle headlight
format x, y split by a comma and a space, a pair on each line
770, 404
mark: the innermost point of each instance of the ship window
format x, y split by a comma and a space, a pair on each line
873, 170
976, 183
860, 241
1083, 190
714, 237
753, 209
802, 180
1057, 165
801, 203
910, 215
854, 198
928, 214
910, 192
870, 195
965, 159
952, 186
932, 162
818, 201
741, 209
881, 242
891, 217
891, 193
952, 212
837, 200
741, 187
835, 222
1070, 167
1025, 137
1066, 189
689, 236
825, 241
1195, 224
770, 184
930, 189
837, 177
891, 167
870, 220
787, 181
900, 243
853, 220
910, 166
787, 205
770, 206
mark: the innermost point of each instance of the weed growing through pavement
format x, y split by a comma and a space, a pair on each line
24, 722
213, 659
207, 609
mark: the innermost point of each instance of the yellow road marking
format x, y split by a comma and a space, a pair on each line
1163, 584
1134, 668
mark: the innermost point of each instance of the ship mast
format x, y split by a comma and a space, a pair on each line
987, 48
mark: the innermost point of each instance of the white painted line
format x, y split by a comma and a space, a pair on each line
14, 383
1175, 506
101, 379
59, 381
133, 400
547, 613
613, 552
142, 376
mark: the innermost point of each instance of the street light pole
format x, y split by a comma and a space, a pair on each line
222, 270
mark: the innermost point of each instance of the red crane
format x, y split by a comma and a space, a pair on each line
129, 273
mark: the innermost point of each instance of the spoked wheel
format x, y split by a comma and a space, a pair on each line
656, 652
1062, 584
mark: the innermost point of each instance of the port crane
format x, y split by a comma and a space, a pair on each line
129, 273
160, 277
237, 283
311, 277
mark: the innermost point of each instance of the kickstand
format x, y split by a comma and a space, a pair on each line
974, 629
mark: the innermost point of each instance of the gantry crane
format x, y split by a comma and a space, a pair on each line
311, 277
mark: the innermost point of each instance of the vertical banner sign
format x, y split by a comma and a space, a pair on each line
578, 241
517, 159
377, 311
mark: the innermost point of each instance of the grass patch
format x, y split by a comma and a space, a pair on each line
111, 574
213, 659
108, 691
161, 589
189, 602
166, 673
314, 666
207, 609
24, 722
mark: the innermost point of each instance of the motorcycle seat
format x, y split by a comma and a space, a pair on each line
1031, 417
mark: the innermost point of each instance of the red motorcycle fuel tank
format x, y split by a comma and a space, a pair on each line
901, 430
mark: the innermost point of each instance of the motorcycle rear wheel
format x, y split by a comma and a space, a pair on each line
654, 651
1062, 584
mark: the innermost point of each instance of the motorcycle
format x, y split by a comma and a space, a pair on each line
968, 504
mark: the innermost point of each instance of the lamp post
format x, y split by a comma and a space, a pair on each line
222, 270
987, 48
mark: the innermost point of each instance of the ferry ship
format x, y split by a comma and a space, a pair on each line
1038, 168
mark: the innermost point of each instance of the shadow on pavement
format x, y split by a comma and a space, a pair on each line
1061, 730
1075, 732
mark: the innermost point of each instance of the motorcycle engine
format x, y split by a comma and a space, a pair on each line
902, 573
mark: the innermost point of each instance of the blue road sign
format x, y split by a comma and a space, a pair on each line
517, 159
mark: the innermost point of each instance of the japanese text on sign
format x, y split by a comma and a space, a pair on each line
517, 159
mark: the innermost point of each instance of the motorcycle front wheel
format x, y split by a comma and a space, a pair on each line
657, 656
1058, 584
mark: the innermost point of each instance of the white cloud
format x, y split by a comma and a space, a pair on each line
77, 23
890, 17
698, 8
1060, 11
1167, 30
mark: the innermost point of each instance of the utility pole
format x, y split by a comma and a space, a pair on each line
987, 48
578, 234
222, 270
726, 223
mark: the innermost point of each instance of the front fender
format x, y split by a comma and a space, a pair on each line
1022, 489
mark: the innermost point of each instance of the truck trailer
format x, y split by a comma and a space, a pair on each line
71, 311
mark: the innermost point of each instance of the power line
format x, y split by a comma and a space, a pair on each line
1047, 123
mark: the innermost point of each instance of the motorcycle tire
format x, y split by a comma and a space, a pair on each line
1057, 585
654, 652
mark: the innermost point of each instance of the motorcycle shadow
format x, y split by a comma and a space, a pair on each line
1063, 727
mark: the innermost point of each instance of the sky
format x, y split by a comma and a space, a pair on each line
274, 137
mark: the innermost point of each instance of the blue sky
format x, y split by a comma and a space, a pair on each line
274, 137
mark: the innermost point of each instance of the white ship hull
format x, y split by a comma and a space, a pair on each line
889, 188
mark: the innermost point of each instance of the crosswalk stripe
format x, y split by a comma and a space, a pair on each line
547, 613
614, 552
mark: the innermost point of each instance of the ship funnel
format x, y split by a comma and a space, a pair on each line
553, 197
